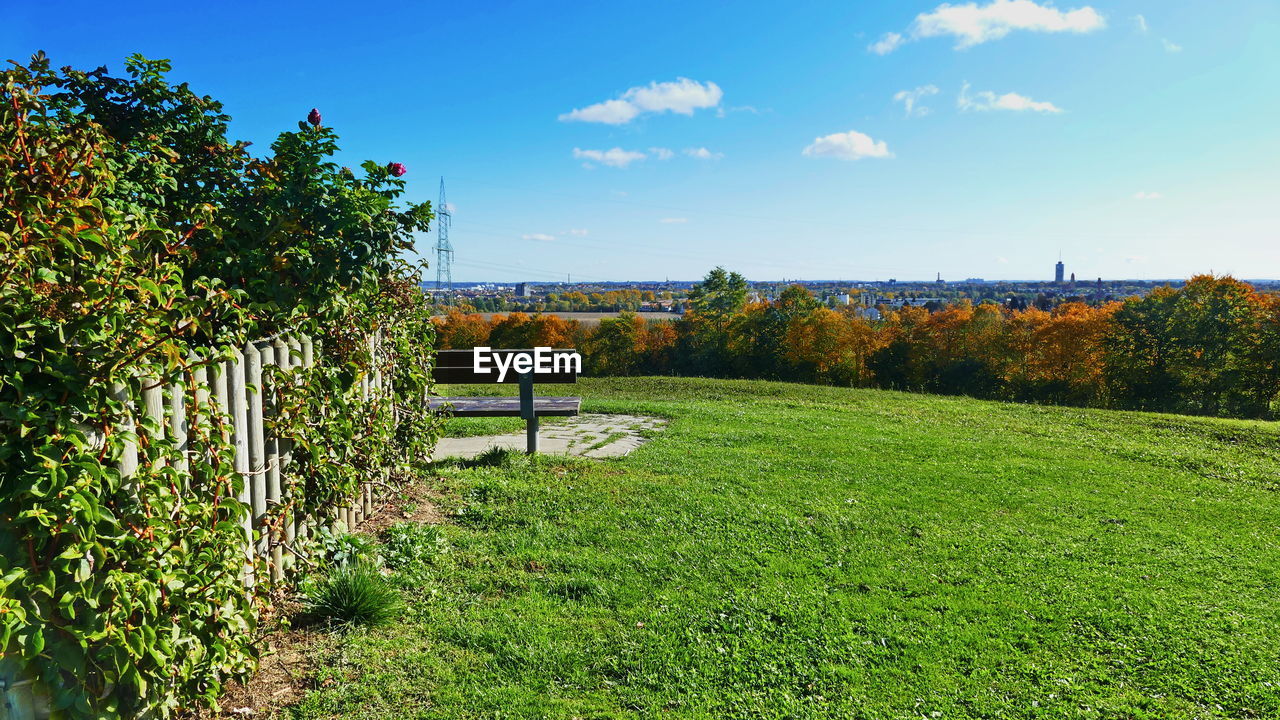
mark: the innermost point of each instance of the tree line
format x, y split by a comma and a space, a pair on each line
1211, 347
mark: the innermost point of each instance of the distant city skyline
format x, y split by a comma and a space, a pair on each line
866, 140
534, 284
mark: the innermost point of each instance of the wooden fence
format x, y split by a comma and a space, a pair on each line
232, 390
235, 387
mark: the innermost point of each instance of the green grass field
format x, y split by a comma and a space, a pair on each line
787, 551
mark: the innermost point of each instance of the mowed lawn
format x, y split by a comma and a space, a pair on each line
787, 551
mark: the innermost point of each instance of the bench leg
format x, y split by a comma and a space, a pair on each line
531, 435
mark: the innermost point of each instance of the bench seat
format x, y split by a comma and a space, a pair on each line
506, 406
522, 367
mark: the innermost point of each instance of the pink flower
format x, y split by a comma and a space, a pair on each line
313, 117
397, 169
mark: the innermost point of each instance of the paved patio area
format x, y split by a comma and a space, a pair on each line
590, 435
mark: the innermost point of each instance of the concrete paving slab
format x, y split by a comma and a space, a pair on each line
592, 435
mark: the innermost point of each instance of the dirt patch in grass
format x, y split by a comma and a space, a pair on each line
418, 503
286, 668
281, 680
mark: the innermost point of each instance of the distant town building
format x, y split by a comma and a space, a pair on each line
1058, 271
869, 300
523, 290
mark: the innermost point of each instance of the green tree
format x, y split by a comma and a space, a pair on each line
704, 336
615, 346
1213, 329
719, 296
758, 336
1138, 351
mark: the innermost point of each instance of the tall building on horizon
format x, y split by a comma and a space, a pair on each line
1058, 271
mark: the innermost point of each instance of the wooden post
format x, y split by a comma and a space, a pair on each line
128, 463
375, 352
272, 354
178, 424
292, 525
200, 377
257, 443
237, 404
19, 702
153, 405
529, 413
221, 397
305, 359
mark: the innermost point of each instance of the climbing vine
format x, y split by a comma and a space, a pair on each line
141, 246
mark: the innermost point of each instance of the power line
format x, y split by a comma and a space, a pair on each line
795, 220
738, 257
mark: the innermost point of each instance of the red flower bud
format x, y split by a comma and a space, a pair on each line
397, 169
313, 117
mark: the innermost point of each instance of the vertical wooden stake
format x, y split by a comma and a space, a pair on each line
253, 355
128, 463
153, 406
178, 425
237, 403
273, 353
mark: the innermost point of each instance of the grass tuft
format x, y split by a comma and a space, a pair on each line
354, 595
411, 545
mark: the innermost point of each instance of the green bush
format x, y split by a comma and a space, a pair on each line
354, 595
139, 242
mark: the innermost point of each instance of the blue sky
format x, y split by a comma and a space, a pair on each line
1138, 138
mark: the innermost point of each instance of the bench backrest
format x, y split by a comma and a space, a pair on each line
459, 366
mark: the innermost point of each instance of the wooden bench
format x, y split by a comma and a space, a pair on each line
459, 367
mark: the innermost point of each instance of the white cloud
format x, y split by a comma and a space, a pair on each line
851, 145
971, 24
661, 153
909, 98
610, 112
987, 100
1169, 45
673, 221
1144, 195
886, 44
543, 237
580, 232
617, 157
682, 97
702, 154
